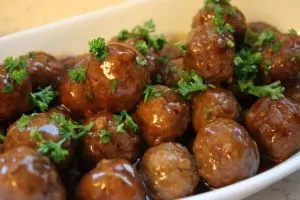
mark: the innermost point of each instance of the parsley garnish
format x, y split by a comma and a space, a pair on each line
124, 119
22, 123
163, 60
114, 85
105, 136
78, 74
125, 34
8, 88
42, 99
150, 92
141, 61
142, 47
264, 38
266, 66
182, 46
31, 55
98, 48
191, 82
2, 137
276, 47
157, 42
293, 31
158, 78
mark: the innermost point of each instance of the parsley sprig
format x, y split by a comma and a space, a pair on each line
78, 74
191, 82
265, 38
182, 46
43, 98
151, 92
124, 120
22, 123
105, 136
98, 48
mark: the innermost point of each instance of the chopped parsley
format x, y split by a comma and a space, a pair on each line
124, 120
163, 60
182, 46
141, 61
150, 92
105, 136
8, 88
142, 47
78, 74
43, 98
157, 42
276, 47
266, 65
265, 38
207, 114
114, 85
191, 82
31, 55
158, 78
293, 31
22, 123
2, 137
98, 48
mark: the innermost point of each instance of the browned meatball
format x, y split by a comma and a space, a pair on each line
212, 104
163, 116
76, 95
225, 153
274, 124
44, 69
231, 15
172, 72
208, 54
111, 180
294, 93
20, 134
258, 27
281, 59
171, 51
28, 176
71, 61
169, 171
14, 101
105, 141
118, 82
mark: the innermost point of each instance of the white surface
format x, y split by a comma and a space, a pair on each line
71, 37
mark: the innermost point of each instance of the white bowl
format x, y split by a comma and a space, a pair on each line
71, 36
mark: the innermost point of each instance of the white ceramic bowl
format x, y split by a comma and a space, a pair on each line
71, 36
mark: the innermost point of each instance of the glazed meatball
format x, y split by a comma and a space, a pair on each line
231, 15
44, 69
212, 104
209, 54
281, 59
258, 27
111, 180
76, 94
118, 82
294, 93
171, 51
14, 97
106, 141
225, 153
20, 134
28, 176
274, 124
172, 72
169, 171
163, 116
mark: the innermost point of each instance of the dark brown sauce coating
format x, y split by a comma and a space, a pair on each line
294, 93
275, 126
258, 27
44, 69
284, 62
26, 175
209, 54
172, 72
111, 180
169, 171
237, 20
212, 104
16, 102
163, 118
225, 153
126, 145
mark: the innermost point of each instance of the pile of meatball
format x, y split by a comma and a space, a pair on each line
170, 146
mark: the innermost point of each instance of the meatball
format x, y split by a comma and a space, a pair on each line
281, 59
44, 69
118, 82
76, 95
106, 141
111, 180
171, 51
212, 104
274, 124
225, 153
231, 15
14, 97
169, 171
258, 27
28, 176
294, 93
209, 54
20, 134
163, 116
172, 72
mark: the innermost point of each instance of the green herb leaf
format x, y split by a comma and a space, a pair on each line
265, 38
124, 119
293, 31
2, 137
276, 47
158, 78
114, 85
266, 66
22, 123
182, 46
8, 88
163, 60
156, 42
125, 34
105, 136
150, 92
42, 99
53, 150
98, 48
78, 74
31, 55
191, 82
230, 43
141, 61
145, 29
142, 47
